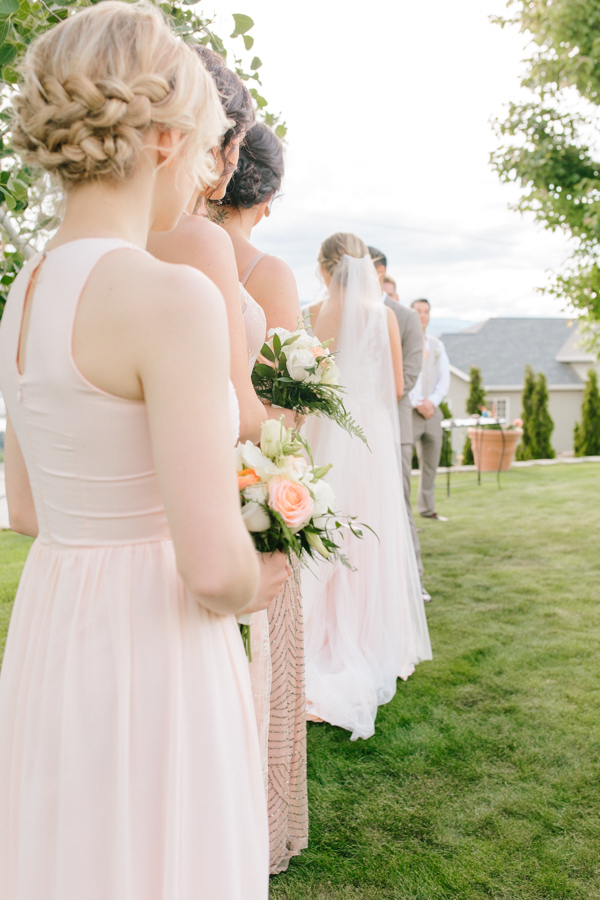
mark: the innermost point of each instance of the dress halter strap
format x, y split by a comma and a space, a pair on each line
251, 267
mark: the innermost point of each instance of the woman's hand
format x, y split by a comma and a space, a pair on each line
274, 572
291, 419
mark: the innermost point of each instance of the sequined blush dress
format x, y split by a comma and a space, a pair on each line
287, 786
129, 764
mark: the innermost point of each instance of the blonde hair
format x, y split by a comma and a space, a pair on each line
95, 84
342, 243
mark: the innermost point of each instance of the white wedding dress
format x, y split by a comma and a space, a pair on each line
364, 628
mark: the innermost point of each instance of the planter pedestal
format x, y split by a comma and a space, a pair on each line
494, 450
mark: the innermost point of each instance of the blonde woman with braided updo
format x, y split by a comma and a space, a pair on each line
129, 759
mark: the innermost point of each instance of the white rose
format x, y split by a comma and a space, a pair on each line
298, 362
255, 517
324, 498
330, 373
296, 467
271, 436
257, 492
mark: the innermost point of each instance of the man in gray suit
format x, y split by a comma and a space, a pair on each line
411, 336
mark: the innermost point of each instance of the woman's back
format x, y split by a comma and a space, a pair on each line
364, 628
88, 452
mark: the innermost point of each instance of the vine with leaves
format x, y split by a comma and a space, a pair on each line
550, 144
28, 198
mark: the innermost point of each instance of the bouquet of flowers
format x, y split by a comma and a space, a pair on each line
286, 504
298, 372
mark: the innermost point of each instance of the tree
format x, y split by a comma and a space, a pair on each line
525, 450
26, 198
543, 424
537, 422
587, 433
550, 144
475, 403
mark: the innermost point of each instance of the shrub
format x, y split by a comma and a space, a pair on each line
475, 403
587, 433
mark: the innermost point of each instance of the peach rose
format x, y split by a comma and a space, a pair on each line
246, 477
292, 501
318, 352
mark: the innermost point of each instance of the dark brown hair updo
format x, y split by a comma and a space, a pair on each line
260, 169
235, 97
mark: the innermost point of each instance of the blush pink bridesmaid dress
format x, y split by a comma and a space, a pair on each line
129, 759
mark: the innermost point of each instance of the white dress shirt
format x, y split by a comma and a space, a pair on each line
442, 384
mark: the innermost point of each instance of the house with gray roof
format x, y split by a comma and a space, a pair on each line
502, 348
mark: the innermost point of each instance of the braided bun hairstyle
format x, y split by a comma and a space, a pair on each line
342, 243
95, 84
259, 171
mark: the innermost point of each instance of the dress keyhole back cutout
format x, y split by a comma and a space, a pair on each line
26, 318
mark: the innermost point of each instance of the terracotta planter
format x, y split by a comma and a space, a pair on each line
494, 450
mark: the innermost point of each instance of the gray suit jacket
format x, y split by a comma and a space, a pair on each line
411, 335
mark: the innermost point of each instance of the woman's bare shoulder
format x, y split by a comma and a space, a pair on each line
194, 240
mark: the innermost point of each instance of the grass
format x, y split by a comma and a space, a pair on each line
483, 777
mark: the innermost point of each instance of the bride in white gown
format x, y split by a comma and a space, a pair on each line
364, 628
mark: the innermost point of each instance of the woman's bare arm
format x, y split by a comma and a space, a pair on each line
21, 510
272, 284
203, 245
396, 348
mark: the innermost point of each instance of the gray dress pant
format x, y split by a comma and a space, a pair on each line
407, 453
427, 435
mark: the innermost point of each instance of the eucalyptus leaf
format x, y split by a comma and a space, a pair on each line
255, 64
8, 7
248, 41
242, 24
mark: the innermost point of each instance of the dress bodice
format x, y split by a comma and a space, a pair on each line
255, 325
88, 453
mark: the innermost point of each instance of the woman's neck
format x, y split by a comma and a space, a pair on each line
98, 210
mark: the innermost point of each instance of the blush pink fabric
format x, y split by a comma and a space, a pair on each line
129, 759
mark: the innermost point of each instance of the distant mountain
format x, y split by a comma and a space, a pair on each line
448, 326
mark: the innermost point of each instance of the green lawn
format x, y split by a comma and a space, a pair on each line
483, 777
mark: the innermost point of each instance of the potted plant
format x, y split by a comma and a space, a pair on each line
494, 446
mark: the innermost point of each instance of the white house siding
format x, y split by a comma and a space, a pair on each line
564, 404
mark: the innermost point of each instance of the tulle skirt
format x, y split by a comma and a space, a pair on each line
363, 628
129, 759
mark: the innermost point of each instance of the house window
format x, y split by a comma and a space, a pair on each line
501, 407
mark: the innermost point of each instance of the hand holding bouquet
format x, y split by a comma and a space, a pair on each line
286, 504
298, 372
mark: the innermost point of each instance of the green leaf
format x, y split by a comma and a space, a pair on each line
276, 345
267, 352
7, 54
281, 131
10, 201
242, 24
260, 101
255, 64
265, 371
248, 41
4, 31
8, 7
321, 471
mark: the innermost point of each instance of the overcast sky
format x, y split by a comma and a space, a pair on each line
388, 106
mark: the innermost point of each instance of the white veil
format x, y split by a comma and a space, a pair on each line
364, 629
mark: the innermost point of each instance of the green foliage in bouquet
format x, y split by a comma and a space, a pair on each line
308, 396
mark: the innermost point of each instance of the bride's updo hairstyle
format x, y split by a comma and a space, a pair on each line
95, 84
260, 169
340, 244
